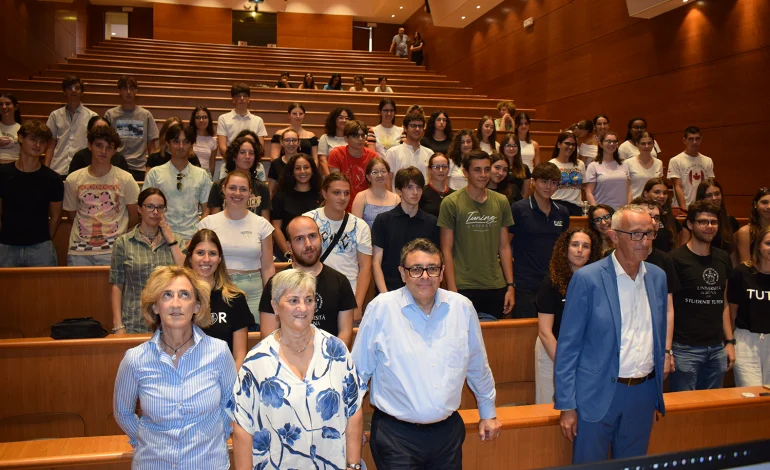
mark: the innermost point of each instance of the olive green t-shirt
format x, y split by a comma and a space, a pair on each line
476, 237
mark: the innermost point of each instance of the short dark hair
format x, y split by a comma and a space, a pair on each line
381, 78
330, 126
240, 88
353, 126
127, 81
420, 244
701, 207
104, 133
176, 129
475, 155
546, 171
692, 130
35, 128
71, 80
413, 117
94, 119
408, 175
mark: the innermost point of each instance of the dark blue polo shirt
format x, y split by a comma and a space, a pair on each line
392, 230
534, 236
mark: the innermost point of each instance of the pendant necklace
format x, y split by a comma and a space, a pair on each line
173, 358
280, 340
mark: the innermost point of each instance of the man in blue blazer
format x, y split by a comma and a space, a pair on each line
609, 371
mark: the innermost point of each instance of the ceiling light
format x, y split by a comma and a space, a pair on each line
684, 1
462, 18
113, 34
400, 8
392, 16
478, 6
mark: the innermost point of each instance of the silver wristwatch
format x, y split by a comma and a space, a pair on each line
354, 466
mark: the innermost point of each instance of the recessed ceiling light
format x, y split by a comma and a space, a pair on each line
400, 8
684, 1
478, 6
463, 18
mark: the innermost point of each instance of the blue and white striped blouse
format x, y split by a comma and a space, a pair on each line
184, 424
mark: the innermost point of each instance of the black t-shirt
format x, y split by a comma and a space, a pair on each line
158, 159
717, 241
438, 146
83, 158
288, 205
519, 182
430, 201
699, 303
333, 295
259, 199
664, 262
305, 146
25, 198
751, 292
549, 300
663, 241
276, 169
227, 319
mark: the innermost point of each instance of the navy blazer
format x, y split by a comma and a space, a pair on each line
588, 349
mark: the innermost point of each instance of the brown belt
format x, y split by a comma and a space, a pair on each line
637, 380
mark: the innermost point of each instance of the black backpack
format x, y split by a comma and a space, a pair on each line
77, 328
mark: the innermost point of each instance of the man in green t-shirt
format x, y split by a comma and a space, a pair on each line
474, 225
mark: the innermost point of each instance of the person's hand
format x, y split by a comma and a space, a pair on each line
165, 229
507, 117
568, 423
730, 352
5, 141
489, 429
509, 301
357, 315
673, 364
121, 331
666, 366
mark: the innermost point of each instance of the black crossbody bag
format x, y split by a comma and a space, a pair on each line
336, 238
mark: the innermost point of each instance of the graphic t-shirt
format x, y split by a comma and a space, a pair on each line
700, 301
751, 292
333, 295
100, 209
136, 129
691, 171
227, 319
476, 229
571, 181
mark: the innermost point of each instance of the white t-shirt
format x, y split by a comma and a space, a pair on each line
10, 152
241, 239
588, 152
101, 215
203, 146
488, 148
356, 239
404, 155
571, 182
327, 143
386, 138
639, 176
457, 179
627, 150
527, 151
610, 179
692, 171
231, 124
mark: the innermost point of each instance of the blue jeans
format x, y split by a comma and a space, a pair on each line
89, 260
697, 367
39, 254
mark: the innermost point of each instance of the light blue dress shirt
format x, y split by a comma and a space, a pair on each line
184, 423
418, 363
182, 205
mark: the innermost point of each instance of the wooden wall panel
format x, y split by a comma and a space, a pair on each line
301, 30
173, 22
139, 22
382, 36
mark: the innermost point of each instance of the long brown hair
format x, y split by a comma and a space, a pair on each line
222, 280
756, 258
666, 215
725, 230
559, 269
755, 225
516, 167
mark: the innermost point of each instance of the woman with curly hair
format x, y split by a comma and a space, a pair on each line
462, 144
759, 218
334, 136
574, 249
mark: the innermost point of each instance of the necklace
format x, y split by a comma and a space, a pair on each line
173, 358
149, 237
300, 351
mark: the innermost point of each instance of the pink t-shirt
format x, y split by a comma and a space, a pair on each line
353, 168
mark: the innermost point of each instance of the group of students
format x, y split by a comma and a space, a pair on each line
335, 83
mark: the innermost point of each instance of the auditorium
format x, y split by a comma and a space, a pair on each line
466, 234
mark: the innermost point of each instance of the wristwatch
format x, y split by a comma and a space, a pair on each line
730, 341
670, 352
510, 284
354, 466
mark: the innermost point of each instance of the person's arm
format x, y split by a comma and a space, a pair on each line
589, 190
345, 327
629, 198
536, 160
124, 398
357, 208
278, 237
354, 433
168, 235
222, 144
480, 380
669, 358
213, 162
268, 267
362, 283
733, 312
49, 148
506, 261
314, 154
545, 333
54, 213
133, 214
116, 300
392, 45
684, 235
242, 447
727, 329
323, 165
379, 277
240, 346
70, 215
447, 243
679, 192
743, 244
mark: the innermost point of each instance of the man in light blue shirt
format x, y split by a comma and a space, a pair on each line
418, 344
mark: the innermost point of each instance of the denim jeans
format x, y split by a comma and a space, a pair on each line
89, 260
37, 255
752, 358
697, 367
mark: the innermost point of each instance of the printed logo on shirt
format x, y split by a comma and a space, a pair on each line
571, 179
558, 223
711, 276
218, 317
319, 302
130, 128
755, 294
99, 212
475, 218
247, 233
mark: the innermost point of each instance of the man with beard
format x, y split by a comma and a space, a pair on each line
703, 347
335, 300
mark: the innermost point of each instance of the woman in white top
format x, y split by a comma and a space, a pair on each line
10, 123
565, 157
378, 198
308, 142
588, 146
358, 84
529, 149
629, 148
383, 86
385, 135
205, 146
487, 135
606, 180
246, 240
462, 144
643, 167
334, 136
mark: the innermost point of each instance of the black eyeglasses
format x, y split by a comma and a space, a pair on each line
703, 223
179, 185
598, 220
638, 236
416, 271
153, 208
201, 118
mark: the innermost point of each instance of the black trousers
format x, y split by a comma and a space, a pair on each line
489, 301
398, 445
525, 303
574, 209
137, 174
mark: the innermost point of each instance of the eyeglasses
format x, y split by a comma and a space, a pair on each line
598, 220
416, 126
439, 167
638, 236
357, 136
179, 177
201, 118
153, 208
290, 141
376, 173
440, 119
611, 142
568, 144
703, 223
416, 271
656, 218
510, 146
